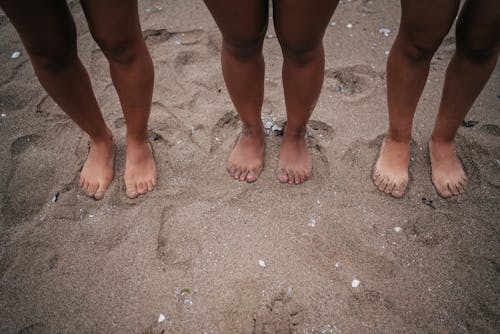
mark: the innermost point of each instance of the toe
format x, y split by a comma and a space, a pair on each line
231, 170
243, 175
453, 189
389, 188
141, 189
150, 185
399, 190
91, 190
383, 184
99, 194
282, 176
252, 176
131, 191
236, 174
443, 190
460, 188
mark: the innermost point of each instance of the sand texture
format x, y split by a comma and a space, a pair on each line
190, 249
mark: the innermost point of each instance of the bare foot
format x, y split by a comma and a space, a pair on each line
294, 159
97, 172
140, 168
246, 160
390, 173
448, 176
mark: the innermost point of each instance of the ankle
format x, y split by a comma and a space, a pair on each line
295, 132
136, 137
105, 136
439, 140
252, 129
398, 137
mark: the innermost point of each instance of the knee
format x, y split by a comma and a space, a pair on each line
301, 52
416, 48
55, 54
244, 49
476, 49
120, 49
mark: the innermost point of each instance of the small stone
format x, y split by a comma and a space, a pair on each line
3, 115
337, 264
268, 125
15, 54
262, 264
91, 216
276, 128
188, 301
161, 318
270, 36
349, 25
55, 197
469, 124
333, 24
178, 42
384, 31
397, 229
311, 223
386, 52
355, 283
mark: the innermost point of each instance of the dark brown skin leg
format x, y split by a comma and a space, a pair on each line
300, 26
243, 24
476, 55
424, 24
115, 26
48, 33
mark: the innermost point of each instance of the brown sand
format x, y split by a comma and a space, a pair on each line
112, 266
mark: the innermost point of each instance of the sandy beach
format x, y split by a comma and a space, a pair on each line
190, 250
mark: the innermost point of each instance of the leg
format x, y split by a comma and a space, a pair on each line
424, 24
243, 24
300, 26
48, 33
115, 26
470, 67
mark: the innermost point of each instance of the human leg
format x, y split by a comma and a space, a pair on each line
300, 26
423, 26
471, 65
49, 36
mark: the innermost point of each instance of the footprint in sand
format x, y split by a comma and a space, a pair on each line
225, 132
178, 240
36, 328
280, 315
353, 83
25, 191
429, 228
48, 110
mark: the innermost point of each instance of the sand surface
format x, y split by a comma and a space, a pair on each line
190, 249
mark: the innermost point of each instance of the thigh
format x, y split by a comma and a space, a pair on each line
478, 25
46, 27
301, 23
114, 24
425, 23
241, 22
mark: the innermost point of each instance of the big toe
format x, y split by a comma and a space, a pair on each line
91, 190
282, 176
399, 190
252, 176
131, 190
443, 190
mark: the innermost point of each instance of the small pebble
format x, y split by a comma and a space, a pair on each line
276, 128
178, 42
337, 264
262, 264
55, 197
270, 36
397, 229
349, 25
333, 24
469, 124
355, 283
268, 125
161, 317
188, 301
384, 31
91, 216
312, 223
3, 115
387, 52
15, 54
